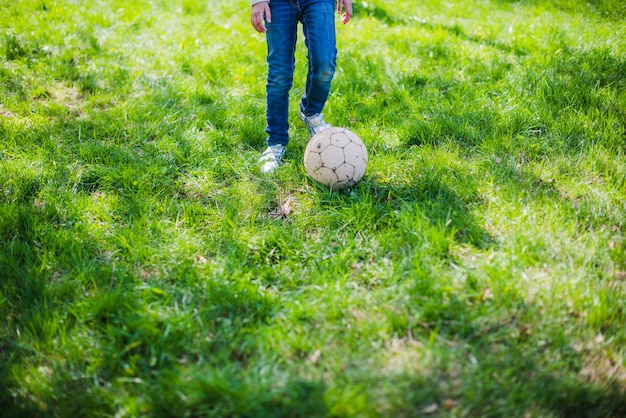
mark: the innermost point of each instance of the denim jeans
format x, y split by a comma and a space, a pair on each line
318, 25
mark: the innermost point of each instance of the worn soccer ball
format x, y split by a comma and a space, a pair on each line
335, 157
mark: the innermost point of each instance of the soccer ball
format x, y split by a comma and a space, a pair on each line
335, 157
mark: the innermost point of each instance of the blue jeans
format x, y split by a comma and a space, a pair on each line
318, 24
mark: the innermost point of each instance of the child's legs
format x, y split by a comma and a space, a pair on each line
318, 21
281, 43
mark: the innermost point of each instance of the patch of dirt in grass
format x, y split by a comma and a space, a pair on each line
70, 97
406, 355
6, 113
602, 365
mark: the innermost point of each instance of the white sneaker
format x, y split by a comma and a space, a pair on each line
272, 158
315, 124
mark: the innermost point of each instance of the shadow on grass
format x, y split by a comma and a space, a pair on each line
72, 342
37, 294
578, 104
83, 322
443, 207
519, 376
499, 363
364, 9
220, 392
578, 85
614, 9
405, 207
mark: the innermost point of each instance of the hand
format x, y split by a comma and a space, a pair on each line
347, 5
258, 11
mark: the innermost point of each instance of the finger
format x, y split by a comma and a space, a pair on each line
348, 14
253, 20
257, 22
260, 27
268, 14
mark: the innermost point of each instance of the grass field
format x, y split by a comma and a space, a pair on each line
147, 268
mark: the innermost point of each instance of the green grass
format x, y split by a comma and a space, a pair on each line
478, 269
